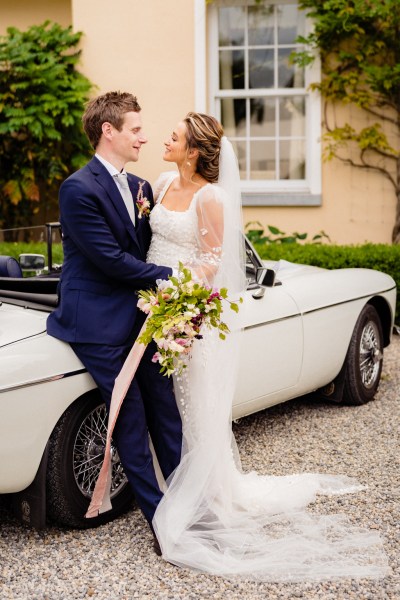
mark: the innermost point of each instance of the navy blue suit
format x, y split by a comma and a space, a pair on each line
104, 263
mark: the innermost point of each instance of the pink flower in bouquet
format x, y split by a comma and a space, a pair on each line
144, 306
156, 357
178, 311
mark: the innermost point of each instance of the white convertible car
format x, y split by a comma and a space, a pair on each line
307, 330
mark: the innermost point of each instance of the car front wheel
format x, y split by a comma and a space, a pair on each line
364, 358
75, 457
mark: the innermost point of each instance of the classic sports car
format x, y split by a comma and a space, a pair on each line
307, 330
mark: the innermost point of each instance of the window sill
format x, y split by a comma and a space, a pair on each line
281, 199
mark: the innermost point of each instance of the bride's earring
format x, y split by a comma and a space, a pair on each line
189, 164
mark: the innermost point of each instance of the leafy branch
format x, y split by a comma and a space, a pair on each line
42, 96
357, 41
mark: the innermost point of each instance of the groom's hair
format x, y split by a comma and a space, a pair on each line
108, 108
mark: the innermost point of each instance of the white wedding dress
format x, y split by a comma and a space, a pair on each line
214, 518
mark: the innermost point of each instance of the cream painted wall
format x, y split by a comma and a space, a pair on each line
356, 208
147, 47
23, 14
144, 47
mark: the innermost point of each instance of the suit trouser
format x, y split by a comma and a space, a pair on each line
149, 407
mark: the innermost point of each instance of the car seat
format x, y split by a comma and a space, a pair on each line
9, 267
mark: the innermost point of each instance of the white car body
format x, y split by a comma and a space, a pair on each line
295, 342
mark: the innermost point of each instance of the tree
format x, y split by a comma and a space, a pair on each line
42, 98
358, 42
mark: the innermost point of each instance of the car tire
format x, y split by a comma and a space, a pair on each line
364, 358
75, 456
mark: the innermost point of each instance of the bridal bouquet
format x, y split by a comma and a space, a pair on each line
177, 311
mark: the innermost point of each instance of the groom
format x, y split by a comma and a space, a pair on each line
105, 241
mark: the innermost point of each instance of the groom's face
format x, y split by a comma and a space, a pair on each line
128, 141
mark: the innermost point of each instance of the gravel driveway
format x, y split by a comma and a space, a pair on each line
116, 561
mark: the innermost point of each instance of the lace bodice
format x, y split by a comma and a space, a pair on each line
174, 233
191, 236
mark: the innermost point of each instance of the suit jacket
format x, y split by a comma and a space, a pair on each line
104, 259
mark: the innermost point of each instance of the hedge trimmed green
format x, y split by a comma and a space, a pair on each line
381, 257
14, 249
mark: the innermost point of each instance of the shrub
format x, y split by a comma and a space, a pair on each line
14, 249
42, 98
381, 257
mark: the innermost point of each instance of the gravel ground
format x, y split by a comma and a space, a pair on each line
116, 561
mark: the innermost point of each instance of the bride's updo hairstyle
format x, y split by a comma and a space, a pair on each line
204, 134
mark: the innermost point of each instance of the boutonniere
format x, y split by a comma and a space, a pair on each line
142, 203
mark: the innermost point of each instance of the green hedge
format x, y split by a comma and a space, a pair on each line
14, 249
381, 257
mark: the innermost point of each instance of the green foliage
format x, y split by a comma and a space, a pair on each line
42, 97
381, 257
14, 249
256, 234
358, 42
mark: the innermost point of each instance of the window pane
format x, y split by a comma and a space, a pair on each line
268, 130
261, 69
240, 151
231, 23
233, 117
292, 159
262, 160
289, 75
231, 69
292, 117
262, 117
261, 25
290, 23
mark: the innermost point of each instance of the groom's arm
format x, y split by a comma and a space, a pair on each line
83, 221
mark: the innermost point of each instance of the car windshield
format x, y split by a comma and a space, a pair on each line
253, 262
38, 249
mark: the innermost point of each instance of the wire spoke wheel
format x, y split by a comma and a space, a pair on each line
76, 454
88, 454
364, 358
371, 354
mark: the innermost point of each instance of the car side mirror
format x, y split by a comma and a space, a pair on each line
32, 262
265, 277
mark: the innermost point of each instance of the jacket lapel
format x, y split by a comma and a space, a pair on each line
105, 180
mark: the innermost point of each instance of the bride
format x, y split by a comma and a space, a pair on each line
214, 518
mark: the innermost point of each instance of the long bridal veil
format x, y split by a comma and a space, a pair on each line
213, 517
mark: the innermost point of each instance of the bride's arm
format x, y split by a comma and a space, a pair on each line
210, 235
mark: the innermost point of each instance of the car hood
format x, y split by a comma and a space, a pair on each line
18, 323
287, 270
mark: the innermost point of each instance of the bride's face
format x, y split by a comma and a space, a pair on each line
176, 146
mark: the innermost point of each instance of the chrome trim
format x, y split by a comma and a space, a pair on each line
373, 295
22, 339
273, 321
44, 380
313, 310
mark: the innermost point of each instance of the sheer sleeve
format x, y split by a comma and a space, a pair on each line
162, 181
219, 260
210, 233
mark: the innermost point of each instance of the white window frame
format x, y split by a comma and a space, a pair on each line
305, 192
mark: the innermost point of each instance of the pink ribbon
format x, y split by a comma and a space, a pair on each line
101, 502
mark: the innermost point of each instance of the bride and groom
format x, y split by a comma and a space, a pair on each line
209, 516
